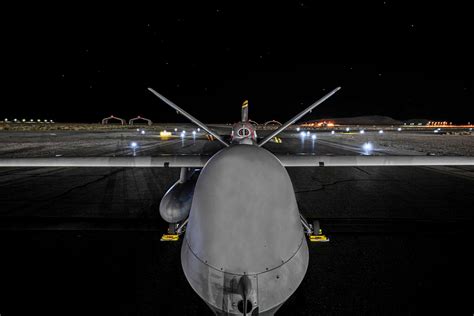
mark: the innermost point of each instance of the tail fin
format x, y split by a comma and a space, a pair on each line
245, 111
297, 117
189, 116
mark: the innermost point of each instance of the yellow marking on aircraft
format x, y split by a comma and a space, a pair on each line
245, 104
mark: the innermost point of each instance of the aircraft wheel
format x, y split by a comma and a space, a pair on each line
316, 227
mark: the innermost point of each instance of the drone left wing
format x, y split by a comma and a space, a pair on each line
372, 161
191, 161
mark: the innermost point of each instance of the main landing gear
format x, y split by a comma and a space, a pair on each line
313, 231
174, 231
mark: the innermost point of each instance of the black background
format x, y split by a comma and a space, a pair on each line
82, 62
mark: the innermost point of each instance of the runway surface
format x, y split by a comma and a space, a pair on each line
86, 240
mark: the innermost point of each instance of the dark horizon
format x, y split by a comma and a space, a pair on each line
83, 64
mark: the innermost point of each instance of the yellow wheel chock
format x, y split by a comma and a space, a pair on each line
170, 237
318, 237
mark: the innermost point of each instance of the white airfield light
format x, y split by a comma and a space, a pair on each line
302, 134
142, 132
308, 133
347, 129
134, 146
313, 140
381, 131
198, 129
399, 129
175, 129
362, 131
194, 133
367, 147
333, 132
298, 129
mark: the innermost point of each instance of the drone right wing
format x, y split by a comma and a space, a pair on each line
369, 161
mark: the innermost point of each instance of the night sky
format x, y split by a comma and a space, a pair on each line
82, 62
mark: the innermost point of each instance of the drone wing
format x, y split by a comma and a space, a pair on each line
368, 161
191, 161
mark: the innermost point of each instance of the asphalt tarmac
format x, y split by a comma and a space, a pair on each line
86, 240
